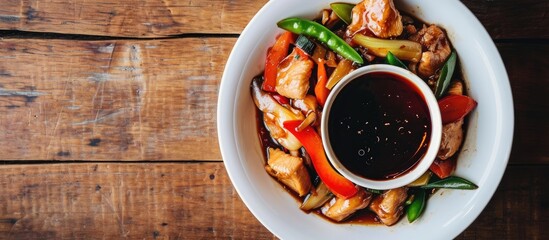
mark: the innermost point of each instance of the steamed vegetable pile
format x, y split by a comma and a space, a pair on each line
308, 59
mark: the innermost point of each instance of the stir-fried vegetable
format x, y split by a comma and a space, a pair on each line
317, 198
274, 56
321, 91
443, 168
322, 34
305, 44
455, 107
310, 119
338, 185
343, 68
319, 54
376, 191
403, 49
392, 60
343, 11
422, 180
445, 76
267, 104
452, 182
417, 206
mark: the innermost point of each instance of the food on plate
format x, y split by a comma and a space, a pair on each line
289, 170
389, 205
308, 59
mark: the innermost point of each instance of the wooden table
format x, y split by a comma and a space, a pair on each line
108, 120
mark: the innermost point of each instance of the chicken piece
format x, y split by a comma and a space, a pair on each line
434, 40
452, 136
338, 208
379, 16
292, 79
289, 170
389, 205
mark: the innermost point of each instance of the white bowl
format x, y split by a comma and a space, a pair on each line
482, 160
434, 141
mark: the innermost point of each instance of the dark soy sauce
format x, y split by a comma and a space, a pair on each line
379, 126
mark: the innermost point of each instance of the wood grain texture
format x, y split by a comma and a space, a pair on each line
122, 201
70, 97
197, 201
152, 18
122, 100
147, 18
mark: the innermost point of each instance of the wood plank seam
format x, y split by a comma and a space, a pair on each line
19, 34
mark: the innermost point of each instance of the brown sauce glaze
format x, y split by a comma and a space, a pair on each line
379, 126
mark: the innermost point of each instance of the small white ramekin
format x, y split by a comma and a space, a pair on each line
436, 129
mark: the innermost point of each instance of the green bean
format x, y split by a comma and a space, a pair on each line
393, 60
322, 34
445, 77
418, 205
451, 182
343, 11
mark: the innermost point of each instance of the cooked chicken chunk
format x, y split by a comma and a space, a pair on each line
339, 208
452, 136
292, 79
389, 205
379, 16
289, 170
434, 40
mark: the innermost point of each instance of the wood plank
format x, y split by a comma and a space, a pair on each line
123, 100
512, 19
122, 201
197, 201
530, 87
151, 18
147, 18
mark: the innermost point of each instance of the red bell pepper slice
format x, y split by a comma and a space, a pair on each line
312, 142
455, 107
321, 92
275, 54
281, 99
443, 168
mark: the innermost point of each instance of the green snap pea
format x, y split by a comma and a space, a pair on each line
417, 206
343, 11
322, 34
393, 60
445, 77
452, 182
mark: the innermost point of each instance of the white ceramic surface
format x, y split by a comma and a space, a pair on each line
434, 140
483, 158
